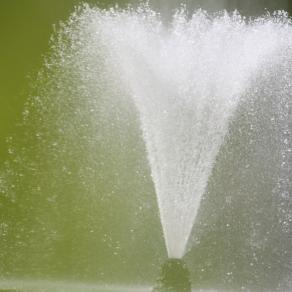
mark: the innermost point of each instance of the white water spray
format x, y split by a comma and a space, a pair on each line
187, 79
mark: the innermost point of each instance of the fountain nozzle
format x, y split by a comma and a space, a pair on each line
174, 277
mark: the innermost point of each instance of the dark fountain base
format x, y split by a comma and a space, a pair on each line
174, 277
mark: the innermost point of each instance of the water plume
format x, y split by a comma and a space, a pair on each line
186, 79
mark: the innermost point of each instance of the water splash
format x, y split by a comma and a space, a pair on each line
186, 79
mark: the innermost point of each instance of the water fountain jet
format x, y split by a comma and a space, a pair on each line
186, 80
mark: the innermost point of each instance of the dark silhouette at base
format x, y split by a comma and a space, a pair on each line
174, 277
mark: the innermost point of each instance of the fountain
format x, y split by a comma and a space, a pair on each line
198, 85
187, 80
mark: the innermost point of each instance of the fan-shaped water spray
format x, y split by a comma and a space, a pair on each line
199, 101
186, 79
